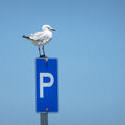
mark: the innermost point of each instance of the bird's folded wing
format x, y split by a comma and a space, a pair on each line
39, 36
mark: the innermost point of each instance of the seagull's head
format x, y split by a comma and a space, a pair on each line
47, 27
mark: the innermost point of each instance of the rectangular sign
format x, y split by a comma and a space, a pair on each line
46, 85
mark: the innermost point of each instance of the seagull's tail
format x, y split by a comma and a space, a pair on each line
26, 37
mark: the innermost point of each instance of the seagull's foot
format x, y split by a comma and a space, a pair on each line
43, 56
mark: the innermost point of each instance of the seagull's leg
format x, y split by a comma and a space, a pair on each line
44, 54
43, 51
40, 51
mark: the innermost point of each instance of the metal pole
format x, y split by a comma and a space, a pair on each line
43, 118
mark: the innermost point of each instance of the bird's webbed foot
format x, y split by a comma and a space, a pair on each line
43, 56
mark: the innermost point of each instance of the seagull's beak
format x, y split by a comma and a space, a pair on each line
53, 29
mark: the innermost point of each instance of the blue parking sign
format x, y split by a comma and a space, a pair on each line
46, 85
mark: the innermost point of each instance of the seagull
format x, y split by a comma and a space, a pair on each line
41, 38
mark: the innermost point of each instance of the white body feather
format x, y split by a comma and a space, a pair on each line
41, 38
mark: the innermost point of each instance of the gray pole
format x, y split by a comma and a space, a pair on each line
43, 118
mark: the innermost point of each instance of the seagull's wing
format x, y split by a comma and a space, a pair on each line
38, 36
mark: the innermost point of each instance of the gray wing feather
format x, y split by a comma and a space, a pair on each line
39, 36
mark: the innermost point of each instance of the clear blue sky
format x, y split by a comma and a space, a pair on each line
89, 43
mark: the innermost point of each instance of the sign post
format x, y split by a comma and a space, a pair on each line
43, 118
46, 88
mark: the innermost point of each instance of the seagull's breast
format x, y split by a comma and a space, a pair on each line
46, 38
48, 34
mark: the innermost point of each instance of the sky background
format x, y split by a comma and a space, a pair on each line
89, 43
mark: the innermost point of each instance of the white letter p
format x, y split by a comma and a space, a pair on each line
48, 84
